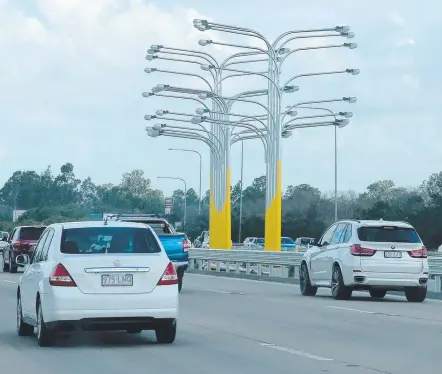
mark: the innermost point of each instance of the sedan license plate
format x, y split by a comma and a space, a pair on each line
392, 254
109, 280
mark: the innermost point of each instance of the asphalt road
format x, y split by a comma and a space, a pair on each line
242, 326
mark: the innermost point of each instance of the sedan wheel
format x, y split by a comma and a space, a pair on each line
45, 337
23, 329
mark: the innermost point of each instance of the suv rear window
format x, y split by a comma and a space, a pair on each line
31, 233
391, 234
96, 240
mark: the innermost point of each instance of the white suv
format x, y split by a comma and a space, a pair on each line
97, 276
377, 256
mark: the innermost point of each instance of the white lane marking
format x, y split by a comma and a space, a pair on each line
351, 310
8, 281
295, 352
224, 292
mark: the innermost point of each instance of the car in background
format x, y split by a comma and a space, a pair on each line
175, 244
129, 285
21, 241
3, 240
287, 244
247, 241
256, 243
377, 256
303, 243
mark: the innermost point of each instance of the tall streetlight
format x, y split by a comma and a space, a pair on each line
241, 191
346, 115
201, 166
185, 198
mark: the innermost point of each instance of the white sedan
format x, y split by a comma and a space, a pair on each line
130, 284
377, 256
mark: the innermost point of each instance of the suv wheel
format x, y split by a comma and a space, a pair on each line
416, 294
339, 290
23, 329
12, 268
304, 282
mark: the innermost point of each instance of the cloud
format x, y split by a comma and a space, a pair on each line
397, 19
72, 78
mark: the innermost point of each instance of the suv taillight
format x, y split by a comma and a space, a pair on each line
357, 250
186, 245
419, 253
60, 277
16, 245
169, 276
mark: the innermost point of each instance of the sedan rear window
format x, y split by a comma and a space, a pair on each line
31, 233
96, 240
390, 234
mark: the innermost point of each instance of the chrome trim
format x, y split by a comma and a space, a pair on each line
118, 270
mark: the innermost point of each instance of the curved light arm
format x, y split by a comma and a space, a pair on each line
246, 61
251, 102
287, 33
241, 138
203, 25
245, 117
309, 117
194, 52
152, 70
236, 75
270, 54
195, 135
199, 138
311, 124
310, 48
316, 108
308, 37
321, 102
156, 57
315, 74
186, 54
245, 72
252, 128
149, 94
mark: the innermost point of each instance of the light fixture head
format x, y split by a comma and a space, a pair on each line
291, 113
204, 42
159, 126
197, 120
161, 112
353, 71
346, 114
150, 70
148, 117
159, 88
341, 123
286, 134
351, 45
291, 89
348, 34
283, 51
201, 111
350, 99
148, 94
151, 57
342, 28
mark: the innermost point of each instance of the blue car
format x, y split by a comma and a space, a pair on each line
287, 244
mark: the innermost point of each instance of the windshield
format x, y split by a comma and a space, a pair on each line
287, 241
390, 234
31, 233
108, 240
259, 241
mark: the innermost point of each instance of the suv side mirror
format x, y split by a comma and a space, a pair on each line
22, 260
4, 239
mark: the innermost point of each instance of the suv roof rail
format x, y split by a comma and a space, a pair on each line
353, 220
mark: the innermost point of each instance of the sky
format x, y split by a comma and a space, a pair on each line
72, 79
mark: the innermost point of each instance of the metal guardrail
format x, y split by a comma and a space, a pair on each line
276, 264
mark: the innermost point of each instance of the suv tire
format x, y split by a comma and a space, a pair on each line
339, 290
416, 294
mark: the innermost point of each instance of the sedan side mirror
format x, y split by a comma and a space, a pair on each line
22, 260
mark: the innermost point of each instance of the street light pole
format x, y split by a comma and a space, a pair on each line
336, 175
185, 198
241, 191
201, 166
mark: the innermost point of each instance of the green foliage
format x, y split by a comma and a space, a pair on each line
52, 198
